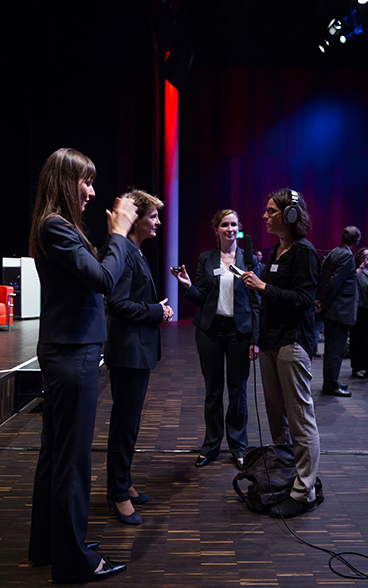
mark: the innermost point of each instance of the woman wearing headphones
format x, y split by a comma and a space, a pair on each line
287, 287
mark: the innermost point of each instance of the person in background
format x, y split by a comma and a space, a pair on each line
287, 287
318, 324
227, 329
260, 265
337, 298
72, 329
359, 331
132, 351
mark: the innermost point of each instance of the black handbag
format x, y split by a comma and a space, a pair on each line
281, 475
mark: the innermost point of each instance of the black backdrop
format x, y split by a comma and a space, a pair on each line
83, 73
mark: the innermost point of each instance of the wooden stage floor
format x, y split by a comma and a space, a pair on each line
195, 532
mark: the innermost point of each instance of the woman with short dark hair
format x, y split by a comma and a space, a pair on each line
287, 287
133, 349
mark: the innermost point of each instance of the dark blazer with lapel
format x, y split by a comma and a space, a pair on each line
206, 292
337, 289
73, 281
134, 316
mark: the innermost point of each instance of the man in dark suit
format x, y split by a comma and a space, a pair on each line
337, 295
260, 265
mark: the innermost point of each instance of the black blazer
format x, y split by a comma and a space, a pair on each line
337, 288
72, 283
206, 292
134, 316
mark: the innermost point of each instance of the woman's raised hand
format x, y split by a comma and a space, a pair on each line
122, 217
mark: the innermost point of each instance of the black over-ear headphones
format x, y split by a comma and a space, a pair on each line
290, 213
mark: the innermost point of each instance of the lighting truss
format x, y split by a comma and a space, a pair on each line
341, 29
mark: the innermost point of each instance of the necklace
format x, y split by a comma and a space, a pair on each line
281, 250
286, 247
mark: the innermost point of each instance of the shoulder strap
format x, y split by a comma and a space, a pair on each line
236, 487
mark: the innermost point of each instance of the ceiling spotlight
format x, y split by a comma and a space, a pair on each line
334, 27
362, 1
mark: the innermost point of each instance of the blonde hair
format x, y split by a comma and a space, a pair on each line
143, 201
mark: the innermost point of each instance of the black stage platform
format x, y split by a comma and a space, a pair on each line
195, 532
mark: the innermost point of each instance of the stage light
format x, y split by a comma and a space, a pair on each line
342, 29
334, 27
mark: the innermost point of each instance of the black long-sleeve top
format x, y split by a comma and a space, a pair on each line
287, 307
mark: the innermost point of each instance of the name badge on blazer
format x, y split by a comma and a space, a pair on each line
218, 271
274, 267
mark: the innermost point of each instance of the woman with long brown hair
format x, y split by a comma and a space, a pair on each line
72, 329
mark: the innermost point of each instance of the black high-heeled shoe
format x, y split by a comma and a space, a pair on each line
140, 499
108, 570
133, 519
91, 545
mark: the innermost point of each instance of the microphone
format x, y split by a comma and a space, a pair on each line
248, 252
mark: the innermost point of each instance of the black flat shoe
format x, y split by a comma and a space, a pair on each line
108, 570
133, 519
140, 499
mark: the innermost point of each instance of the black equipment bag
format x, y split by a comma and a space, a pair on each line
281, 474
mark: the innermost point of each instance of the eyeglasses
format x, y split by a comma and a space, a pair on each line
271, 211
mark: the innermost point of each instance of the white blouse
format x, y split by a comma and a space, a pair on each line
225, 303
